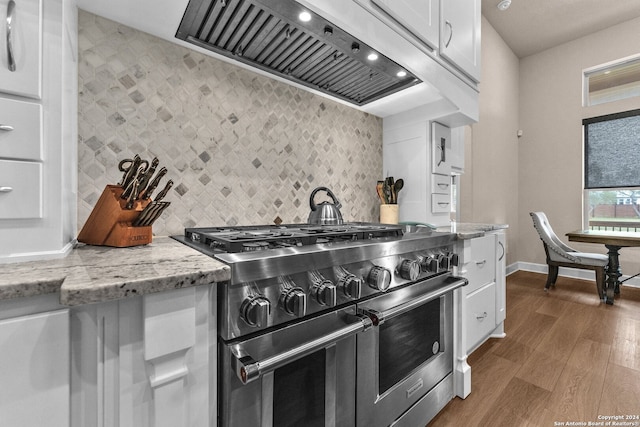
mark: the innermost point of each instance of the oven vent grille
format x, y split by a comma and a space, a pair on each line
267, 34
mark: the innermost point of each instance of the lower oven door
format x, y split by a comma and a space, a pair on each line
407, 353
299, 375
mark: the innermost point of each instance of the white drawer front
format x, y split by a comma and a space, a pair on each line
20, 190
20, 130
440, 203
481, 267
26, 34
440, 184
480, 317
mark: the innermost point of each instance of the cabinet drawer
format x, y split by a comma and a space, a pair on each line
20, 130
481, 267
480, 316
440, 203
440, 184
26, 34
20, 190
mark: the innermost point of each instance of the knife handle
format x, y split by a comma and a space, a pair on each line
152, 186
146, 177
164, 191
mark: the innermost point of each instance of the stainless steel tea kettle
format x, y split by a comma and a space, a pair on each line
325, 213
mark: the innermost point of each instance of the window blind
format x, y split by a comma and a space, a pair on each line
612, 150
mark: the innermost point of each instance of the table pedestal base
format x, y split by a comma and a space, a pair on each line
613, 274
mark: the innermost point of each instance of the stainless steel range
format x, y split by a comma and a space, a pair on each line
333, 325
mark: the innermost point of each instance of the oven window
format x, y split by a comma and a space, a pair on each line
299, 393
406, 342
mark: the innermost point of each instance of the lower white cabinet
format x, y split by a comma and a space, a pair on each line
34, 370
480, 315
481, 305
147, 361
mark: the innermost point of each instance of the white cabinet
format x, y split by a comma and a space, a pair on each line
420, 152
20, 130
34, 370
448, 30
149, 361
20, 190
481, 305
38, 129
441, 149
21, 53
460, 22
421, 18
482, 263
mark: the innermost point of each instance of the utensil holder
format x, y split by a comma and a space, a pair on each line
109, 223
389, 214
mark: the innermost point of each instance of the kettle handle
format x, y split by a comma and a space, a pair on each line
312, 204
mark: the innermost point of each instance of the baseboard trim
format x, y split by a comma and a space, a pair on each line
574, 273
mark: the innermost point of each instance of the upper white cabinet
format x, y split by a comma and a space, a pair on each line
20, 130
421, 18
460, 22
441, 149
21, 52
449, 30
38, 128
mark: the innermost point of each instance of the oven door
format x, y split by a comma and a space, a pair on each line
299, 375
407, 353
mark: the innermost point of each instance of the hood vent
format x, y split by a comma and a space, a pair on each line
269, 34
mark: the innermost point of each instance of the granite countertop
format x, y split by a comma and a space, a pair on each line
471, 230
92, 274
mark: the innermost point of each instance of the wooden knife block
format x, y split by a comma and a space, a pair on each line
110, 223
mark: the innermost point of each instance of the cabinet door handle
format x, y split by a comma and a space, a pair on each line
481, 263
11, 7
6, 189
448, 24
6, 128
482, 316
504, 251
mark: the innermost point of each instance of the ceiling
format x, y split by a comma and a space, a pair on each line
531, 26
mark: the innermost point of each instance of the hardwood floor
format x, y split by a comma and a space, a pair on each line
566, 358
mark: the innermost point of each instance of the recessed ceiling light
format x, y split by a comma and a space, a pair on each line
504, 5
372, 56
304, 16
401, 73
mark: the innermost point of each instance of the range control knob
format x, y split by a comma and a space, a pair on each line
379, 278
445, 262
455, 260
255, 311
351, 285
409, 269
325, 293
294, 302
429, 264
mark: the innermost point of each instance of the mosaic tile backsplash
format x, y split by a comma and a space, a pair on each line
241, 148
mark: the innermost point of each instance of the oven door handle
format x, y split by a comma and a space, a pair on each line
378, 317
248, 369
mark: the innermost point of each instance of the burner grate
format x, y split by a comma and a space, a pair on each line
257, 238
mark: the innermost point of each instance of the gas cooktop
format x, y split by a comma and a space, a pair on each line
257, 238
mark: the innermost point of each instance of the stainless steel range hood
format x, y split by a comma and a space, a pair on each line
269, 35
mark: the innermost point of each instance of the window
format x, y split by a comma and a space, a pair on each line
612, 171
612, 81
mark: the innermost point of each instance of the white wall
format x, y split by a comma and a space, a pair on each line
550, 152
